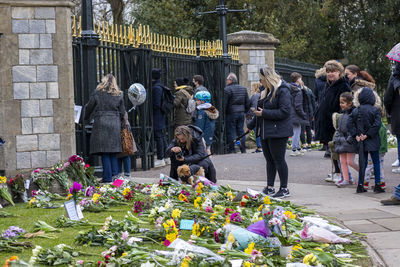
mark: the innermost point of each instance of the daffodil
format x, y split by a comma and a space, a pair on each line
310, 259
124, 254
126, 191
95, 197
199, 188
69, 196
185, 263
176, 213
3, 179
260, 207
247, 264
250, 248
231, 238
290, 215
197, 202
31, 201
297, 247
182, 197
267, 201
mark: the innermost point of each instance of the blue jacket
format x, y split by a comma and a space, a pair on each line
299, 115
158, 116
366, 119
205, 120
236, 99
275, 120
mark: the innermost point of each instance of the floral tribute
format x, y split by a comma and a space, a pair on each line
170, 224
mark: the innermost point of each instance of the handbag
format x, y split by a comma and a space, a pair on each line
128, 143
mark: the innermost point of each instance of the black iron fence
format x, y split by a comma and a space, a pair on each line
130, 54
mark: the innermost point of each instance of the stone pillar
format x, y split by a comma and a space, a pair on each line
36, 83
256, 49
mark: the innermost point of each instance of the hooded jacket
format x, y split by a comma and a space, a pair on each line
206, 116
320, 81
358, 83
158, 116
392, 100
299, 116
344, 142
181, 100
366, 119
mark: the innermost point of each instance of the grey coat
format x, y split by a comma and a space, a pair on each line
107, 111
344, 142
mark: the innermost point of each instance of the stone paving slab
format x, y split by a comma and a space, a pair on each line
386, 240
355, 222
392, 254
361, 214
367, 228
392, 223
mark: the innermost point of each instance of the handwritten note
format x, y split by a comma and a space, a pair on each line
74, 211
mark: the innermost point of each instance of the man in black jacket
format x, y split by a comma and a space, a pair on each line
236, 105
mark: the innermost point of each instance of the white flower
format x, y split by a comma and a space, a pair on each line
255, 217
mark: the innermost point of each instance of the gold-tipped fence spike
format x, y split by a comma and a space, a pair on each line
121, 36
116, 34
158, 43
125, 36
73, 26
169, 41
144, 41
148, 35
112, 33
80, 27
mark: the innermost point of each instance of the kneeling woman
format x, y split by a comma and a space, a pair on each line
188, 148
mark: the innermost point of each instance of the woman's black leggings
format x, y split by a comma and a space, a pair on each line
274, 150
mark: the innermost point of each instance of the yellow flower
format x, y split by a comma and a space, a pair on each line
267, 201
319, 249
95, 197
283, 227
3, 179
231, 238
171, 237
176, 213
185, 263
69, 196
297, 247
309, 259
182, 197
126, 191
199, 188
250, 248
212, 218
247, 264
326, 245
227, 220
290, 215
230, 195
260, 207
197, 202
32, 201
124, 254
196, 229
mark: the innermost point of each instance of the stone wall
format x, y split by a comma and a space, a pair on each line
36, 84
256, 49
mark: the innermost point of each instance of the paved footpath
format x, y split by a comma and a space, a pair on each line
359, 212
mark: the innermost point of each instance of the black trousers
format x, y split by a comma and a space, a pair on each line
161, 143
207, 165
306, 129
274, 150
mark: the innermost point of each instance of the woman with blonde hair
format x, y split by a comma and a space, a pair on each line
273, 123
106, 108
328, 102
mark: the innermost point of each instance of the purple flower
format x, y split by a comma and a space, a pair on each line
216, 236
12, 232
186, 193
125, 235
75, 188
235, 217
89, 191
138, 206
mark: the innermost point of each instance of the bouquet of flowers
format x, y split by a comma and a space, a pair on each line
4, 190
17, 185
79, 171
41, 178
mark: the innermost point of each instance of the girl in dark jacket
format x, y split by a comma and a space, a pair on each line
328, 101
392, 105
364, 124
345, 145
188, 148
274, 125
106, 107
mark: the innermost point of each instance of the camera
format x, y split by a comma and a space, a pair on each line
179, 155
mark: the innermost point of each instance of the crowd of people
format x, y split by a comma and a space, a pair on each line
343, 112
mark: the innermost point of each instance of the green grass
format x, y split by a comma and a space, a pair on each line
27, 217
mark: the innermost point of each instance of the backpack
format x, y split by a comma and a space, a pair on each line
191, 105
167, 101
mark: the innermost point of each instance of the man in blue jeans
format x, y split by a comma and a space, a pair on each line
236, 105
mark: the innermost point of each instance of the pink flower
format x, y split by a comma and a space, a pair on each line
34, 193
209, 209
235, 217
167, 242
125, 235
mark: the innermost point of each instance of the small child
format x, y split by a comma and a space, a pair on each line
345, 144
364, 124
206, 116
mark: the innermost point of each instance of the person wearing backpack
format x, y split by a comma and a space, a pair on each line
158, 117
236, 105
184, 104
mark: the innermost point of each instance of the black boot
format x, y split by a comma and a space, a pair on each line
361, 189
378, 189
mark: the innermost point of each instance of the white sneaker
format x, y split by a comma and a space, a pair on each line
167, 161
159, 163
329, 179
295, 153
396, 163
337, 177
396, 170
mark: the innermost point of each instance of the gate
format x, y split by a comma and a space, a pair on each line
130, 55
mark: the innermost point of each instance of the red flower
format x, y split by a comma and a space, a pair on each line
112, 197
86, 166
246, 197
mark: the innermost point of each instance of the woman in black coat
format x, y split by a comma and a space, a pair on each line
328, 102
274, 125
106, 107
188, 148
392, 105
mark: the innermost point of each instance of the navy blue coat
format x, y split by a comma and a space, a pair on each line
236, 99
319, 86
275, 120
328, 103
158, 116
366, 119
299, 116
344, 142
308, 103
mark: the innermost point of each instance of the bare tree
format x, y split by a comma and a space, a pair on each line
117, 8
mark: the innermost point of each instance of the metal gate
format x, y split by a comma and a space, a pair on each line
130, 55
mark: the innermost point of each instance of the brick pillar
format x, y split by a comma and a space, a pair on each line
36, 84
256, 49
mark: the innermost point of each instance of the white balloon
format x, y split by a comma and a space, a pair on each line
137, 94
